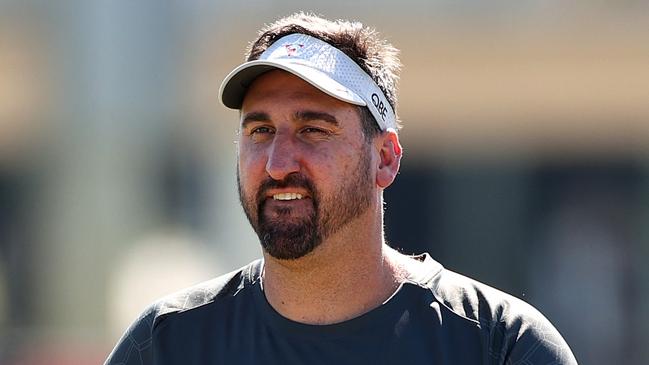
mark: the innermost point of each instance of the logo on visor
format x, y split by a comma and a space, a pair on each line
292, 48
379, 105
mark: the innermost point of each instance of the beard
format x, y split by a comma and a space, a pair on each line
286, 237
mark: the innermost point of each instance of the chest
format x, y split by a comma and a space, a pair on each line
241, 337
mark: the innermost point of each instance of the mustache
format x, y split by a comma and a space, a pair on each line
293, 180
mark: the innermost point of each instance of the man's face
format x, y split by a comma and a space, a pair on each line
304, 167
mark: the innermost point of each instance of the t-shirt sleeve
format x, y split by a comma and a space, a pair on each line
539, 342
134, 348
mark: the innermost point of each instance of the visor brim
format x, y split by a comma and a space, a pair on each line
235, 85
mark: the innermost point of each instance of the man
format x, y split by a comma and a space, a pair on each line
317, 146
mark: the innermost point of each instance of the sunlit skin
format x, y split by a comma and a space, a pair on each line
290, 127
323, 153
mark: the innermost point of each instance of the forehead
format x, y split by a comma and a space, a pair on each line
279, 88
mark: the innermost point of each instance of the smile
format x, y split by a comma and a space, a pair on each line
287, 196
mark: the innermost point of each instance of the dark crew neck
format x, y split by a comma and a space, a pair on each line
388, 312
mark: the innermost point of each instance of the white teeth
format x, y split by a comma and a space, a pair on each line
287, 196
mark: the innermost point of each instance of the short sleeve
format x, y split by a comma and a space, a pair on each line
539, 342
134, 348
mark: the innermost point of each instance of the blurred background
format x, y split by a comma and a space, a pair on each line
526, 159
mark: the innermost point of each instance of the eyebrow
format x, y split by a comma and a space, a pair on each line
301, 116
308, 115
254, 117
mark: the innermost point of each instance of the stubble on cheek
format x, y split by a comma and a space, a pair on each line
248, 204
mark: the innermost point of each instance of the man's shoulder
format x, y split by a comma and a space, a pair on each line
469, 298
207, 292
138, 337
474, 300
513, 328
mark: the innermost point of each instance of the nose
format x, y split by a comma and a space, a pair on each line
282, 157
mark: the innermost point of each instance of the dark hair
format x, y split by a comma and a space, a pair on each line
374, 55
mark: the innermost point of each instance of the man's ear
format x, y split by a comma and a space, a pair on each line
389, 157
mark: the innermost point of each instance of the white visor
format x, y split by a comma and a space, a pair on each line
320, 64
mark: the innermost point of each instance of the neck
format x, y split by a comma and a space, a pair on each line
347, 275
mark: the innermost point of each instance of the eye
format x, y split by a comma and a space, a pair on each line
261, 130
314, 130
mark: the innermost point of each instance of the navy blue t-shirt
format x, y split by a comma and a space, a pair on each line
438, 317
